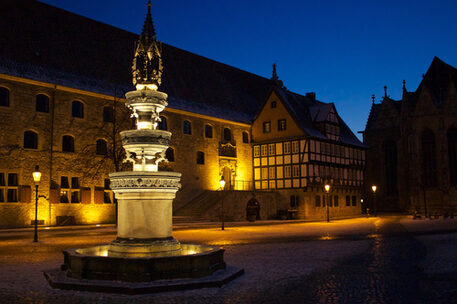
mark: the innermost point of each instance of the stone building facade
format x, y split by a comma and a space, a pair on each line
412, 146
62, 80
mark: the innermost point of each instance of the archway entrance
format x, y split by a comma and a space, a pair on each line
227, 175
253, 210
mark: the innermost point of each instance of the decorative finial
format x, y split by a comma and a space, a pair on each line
274, 75
404, 86
372, 98
385, 91
147, 62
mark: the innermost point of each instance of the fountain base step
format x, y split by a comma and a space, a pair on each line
58, 279
143, 248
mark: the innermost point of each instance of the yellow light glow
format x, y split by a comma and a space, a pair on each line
222, 183
373, 188
327, 187
144, 125
152, 87
47, 228
36, 175
98, 225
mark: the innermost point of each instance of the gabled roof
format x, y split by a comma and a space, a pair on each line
306, 111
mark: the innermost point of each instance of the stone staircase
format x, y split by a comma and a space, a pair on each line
197, 208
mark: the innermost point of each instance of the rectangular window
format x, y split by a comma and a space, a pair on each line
294, 201
75, 196
74, 183
12, 195
296, 171
266, 127
12, 179
271, 172
11, 189
348, 200
317, 201
264, 150
295, 147
287, 147
64, 182
64, 196
354, 201
281, 124
271, 149
287, 172
264, 173
256, 151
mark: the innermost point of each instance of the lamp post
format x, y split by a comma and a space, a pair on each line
36, 178
327, 189
222, 184
373, 188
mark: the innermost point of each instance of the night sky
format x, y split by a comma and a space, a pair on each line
343, 50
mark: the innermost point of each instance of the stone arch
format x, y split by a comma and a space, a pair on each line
227, 170
253, 209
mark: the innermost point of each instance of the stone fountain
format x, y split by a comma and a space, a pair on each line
145, 250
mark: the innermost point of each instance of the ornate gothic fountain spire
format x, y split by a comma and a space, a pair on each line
147, 62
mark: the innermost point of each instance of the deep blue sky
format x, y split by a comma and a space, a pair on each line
343, 50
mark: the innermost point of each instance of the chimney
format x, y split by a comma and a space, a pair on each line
311, 95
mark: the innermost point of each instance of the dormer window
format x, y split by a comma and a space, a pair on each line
332, 131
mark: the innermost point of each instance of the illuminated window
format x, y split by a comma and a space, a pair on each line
4, 97
271, 149
64, 189
208, 131
264, 150
30, 140
271, 172
281, 124
256, 151
77, 109
245, 137
108, 114
107, 193
101, 147
295, 147
186, 127
42, 103
266, 127
287, 147
296, 170
162, 125
68, 143
287, 171
264, 173
10, 189
200, 158
273, 104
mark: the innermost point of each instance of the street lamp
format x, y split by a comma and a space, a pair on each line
373, 188
36, 178
327, 189
222, 184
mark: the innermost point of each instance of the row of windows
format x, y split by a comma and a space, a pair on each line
281, 126
333, 201
68, 143
272, 172
42, 105
208, 130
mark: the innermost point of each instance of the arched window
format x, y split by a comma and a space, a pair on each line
186, 127
452, 150
4, 97
428, 159
208, 131
68, 143
102, 148
30, 140
245, 137
170, 154
200, 158
390, 158
227, 134
108, 114
163, 123
42, 103
77, 109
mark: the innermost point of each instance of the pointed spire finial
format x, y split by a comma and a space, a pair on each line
372, 98
385, 91
274, 75
147, 63
404, 85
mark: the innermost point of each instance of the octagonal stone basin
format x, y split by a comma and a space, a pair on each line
191, 261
